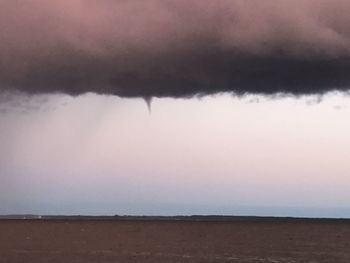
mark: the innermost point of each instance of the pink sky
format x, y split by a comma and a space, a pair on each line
114, 27
103, 154
99, 154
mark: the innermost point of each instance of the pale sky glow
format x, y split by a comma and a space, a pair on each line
254, 155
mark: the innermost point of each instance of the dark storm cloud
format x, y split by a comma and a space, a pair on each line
174, 48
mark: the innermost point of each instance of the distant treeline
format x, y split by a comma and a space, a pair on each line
213, 218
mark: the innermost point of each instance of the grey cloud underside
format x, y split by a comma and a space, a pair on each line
202, 75
174, 48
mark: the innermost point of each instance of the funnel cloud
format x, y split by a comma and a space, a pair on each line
167, 48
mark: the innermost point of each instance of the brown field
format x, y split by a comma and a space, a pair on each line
39, 241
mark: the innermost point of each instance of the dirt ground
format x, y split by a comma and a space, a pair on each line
65, 241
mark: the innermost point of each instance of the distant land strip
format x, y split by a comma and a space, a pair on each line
193, 218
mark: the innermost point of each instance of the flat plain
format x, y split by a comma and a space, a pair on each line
170, 241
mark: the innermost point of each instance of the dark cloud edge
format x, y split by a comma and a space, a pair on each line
265, 76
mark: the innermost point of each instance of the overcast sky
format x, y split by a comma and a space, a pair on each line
174, 48
77, 137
